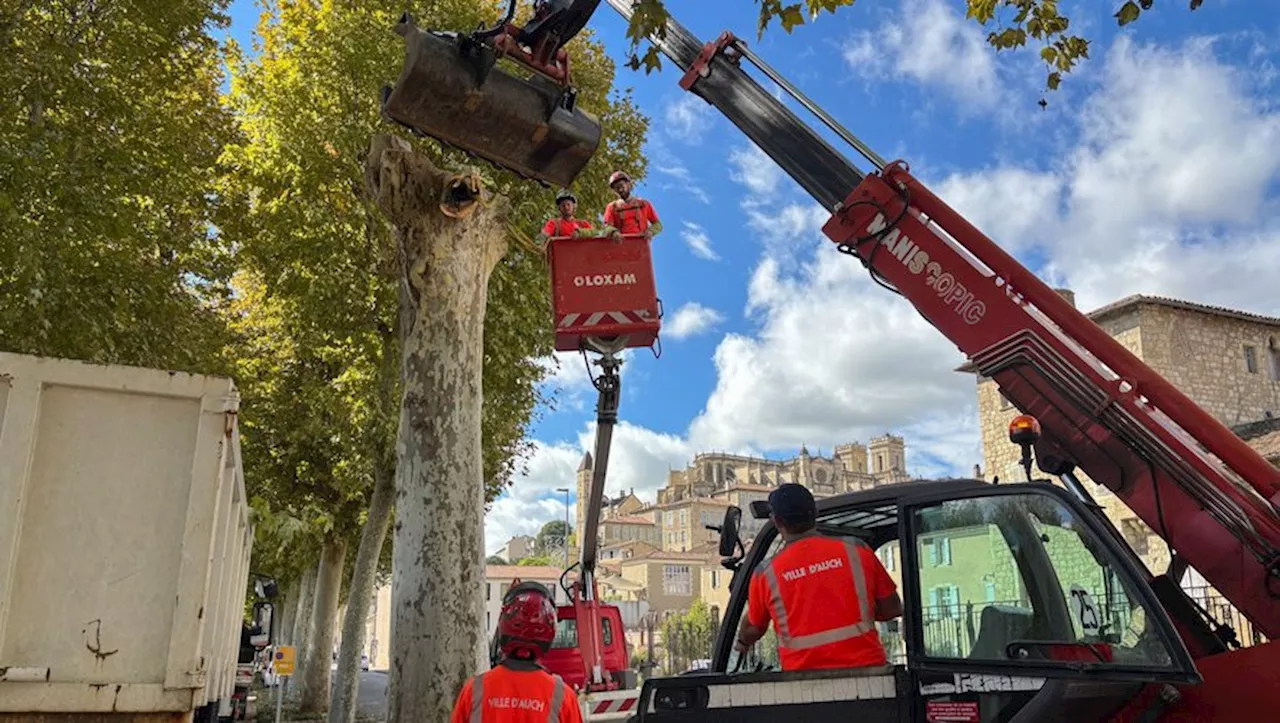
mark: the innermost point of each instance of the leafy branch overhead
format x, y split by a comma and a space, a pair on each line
1015, 21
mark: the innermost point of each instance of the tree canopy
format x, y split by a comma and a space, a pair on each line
110, 128
1016, 23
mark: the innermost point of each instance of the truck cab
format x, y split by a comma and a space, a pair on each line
565, 657
1020, 603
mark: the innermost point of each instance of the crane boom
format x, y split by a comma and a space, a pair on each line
1194, 482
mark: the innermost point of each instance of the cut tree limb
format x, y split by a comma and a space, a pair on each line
450, 234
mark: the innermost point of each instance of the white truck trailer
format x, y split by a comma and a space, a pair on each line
125, 539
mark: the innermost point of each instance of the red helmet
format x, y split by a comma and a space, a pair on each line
527, 624
618, 176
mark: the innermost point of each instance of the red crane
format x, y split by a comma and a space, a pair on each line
1100, 408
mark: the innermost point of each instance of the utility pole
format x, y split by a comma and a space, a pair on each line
565, 490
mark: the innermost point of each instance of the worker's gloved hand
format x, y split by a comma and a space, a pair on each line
542, 239
583, 232
613, 233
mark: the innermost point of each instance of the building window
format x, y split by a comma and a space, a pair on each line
944, 602
488, 591
989, 587
1273, 352
1251, 359
715, 579
938, 551
886, 557
676, 580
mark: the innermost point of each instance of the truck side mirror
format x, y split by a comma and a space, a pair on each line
760, 509
265, 587
264, 614
729, 531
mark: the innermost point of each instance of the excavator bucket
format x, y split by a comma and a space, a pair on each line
452, 90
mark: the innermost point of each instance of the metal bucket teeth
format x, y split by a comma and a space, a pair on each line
513, 123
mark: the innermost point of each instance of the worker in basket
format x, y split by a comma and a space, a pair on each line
629, 215
823, 594
566, 225
518, 689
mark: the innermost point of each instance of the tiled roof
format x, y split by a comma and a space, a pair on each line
525, 572
661, 555
1130, 301
1268, 445
629, 520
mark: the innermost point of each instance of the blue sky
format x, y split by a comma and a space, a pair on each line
1153, 170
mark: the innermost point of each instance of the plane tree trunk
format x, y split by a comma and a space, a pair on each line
302, 629
314, 693
346, 689
450, 234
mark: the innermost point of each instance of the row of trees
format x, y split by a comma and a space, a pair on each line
171, 201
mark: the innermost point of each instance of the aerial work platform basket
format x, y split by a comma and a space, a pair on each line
605, 289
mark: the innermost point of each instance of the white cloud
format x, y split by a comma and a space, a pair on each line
1168, 190
698, 241
752, 168
692, 319
836, 359
688, 117
683, 181
929, 42
638, 461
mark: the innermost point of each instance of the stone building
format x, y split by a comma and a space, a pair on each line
624, 505
1227, 361
851, 467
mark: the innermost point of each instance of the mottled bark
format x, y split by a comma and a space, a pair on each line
302, 619
285, 612
450, 235
314, 682
346, 690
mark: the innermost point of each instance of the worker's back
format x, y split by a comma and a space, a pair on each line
510, 694
821, 593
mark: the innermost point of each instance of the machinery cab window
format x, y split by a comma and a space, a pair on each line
1027, 582
1010, 580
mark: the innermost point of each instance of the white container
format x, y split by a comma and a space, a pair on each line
124, 538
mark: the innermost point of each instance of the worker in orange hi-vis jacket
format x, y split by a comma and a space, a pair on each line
823, 594
518, 689
566, 225
629, 215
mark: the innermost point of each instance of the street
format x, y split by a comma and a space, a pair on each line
373, 693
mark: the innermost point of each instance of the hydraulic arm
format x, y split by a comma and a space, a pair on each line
586, 595
1197, 485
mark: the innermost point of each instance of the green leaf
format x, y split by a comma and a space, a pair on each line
1049, 54
791, 17
1127, 13
1054, 80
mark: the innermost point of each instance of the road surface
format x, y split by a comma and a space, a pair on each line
373, 693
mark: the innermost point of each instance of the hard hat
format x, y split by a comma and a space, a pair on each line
566, 195
618, 176
527, 624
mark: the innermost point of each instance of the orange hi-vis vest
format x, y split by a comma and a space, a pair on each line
820, 593
559, 227
504, 695
630, 217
